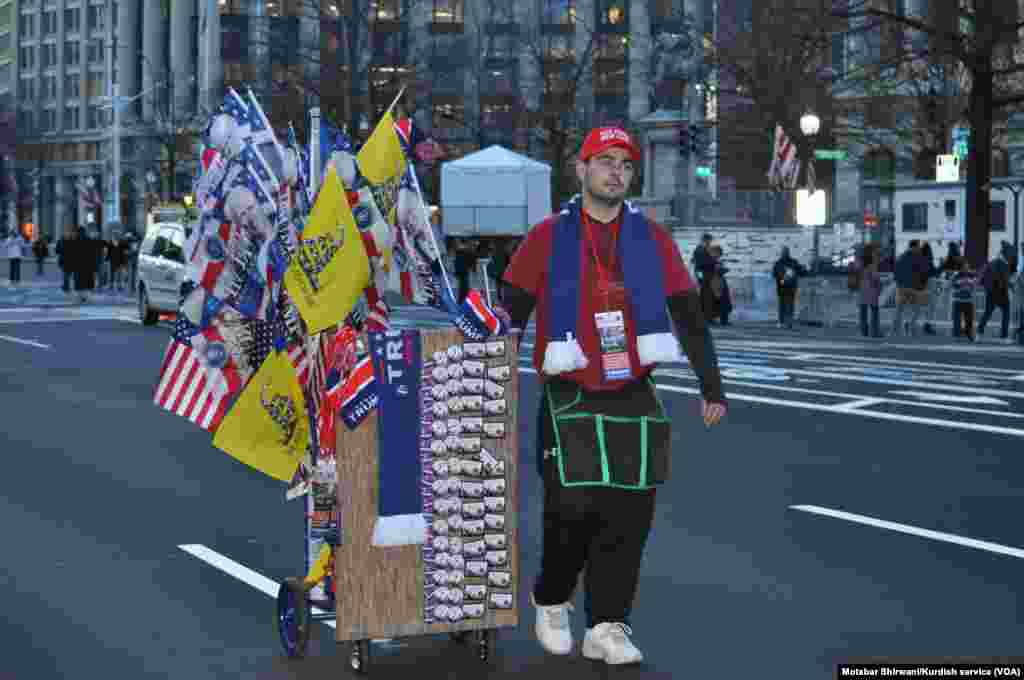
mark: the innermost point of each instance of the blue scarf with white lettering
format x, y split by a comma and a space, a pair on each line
644, 280
397, 363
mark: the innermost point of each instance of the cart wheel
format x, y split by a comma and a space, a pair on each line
293, 617
359, 660
460, 637
484, 640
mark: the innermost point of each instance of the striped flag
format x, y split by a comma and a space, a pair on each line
299, 358
785, 166
198, 376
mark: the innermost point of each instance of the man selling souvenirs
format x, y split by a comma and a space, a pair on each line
604, 280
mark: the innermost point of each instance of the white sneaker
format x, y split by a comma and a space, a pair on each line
552, 627
609, 642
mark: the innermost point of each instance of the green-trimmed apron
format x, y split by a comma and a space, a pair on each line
620, 438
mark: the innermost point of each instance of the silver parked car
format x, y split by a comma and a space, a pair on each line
161, 270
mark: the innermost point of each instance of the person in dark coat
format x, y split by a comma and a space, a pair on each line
84, 258
996, 281
787, 272
465, 263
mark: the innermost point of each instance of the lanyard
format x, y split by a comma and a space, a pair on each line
604, 275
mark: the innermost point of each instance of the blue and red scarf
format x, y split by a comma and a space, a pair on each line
644, 279
397, 362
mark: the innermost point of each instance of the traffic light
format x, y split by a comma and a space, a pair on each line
684, 140
696, 143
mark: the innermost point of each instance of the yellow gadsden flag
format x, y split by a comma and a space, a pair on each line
330, 268
381, 159
267, 427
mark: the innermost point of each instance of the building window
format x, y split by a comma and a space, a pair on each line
27, 26
500, 82
915, 217
71, 117
113, 19
95, 53
234, 6
25, 121
95, 117
612, 14
72, 85
72, 20
386, 10
559, 12
96, 17
448, 12
71, 53
49, 55
48, 121
388, 48
28, 58
998, 215
49, 90
94, 85
49, 22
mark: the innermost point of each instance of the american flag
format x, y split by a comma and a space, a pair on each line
785, 166
253, 175
299, 358
235, 107
257, 342
197, 377
265, 141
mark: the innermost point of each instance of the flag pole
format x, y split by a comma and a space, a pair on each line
399, 96
430, 230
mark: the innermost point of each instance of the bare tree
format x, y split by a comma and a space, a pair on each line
982, 38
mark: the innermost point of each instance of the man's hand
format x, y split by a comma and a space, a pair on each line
712, 412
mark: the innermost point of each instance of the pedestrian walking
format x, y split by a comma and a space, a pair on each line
132, 259
41, 249
63, 249
996, 281
605, 281
963, 284
911, 288
14, 248
85, 262
869, 285
118, 257
715, 296
787, 272
465, 263
933, 287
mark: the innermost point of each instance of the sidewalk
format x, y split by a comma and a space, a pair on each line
848, 326
45, 291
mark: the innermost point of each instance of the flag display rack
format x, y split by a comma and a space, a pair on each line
393, 592
400, 442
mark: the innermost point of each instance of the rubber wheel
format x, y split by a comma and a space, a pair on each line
147, 316
484, 641
293, 618
359, 659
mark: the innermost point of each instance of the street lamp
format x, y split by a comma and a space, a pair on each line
809, 124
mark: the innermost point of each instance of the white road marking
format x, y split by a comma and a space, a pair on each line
241, 572
839, 358
952, 398
22, 341
860, 403
905, 383
840, 409
912, 530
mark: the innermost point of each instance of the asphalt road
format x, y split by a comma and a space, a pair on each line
862, 499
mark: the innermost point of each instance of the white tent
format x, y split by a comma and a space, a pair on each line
494, 192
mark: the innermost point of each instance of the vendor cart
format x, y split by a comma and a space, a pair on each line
464, 579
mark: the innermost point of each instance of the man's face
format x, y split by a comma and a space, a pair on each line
607, 175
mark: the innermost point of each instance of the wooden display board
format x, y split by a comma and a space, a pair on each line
380, 591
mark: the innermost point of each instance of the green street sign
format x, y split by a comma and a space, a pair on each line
703, 171
830, 154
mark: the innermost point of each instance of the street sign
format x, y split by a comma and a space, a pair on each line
947, 168
830, 154
961, 135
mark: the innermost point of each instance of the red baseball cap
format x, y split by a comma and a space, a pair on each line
603, 138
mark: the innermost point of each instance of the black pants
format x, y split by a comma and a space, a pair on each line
963, 319
463, 280
875, 330
600, 531
787, 304
990, 306
68, 277
15, 270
